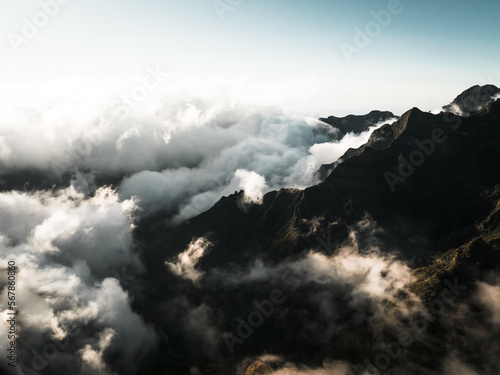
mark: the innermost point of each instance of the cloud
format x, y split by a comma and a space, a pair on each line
489, 296
352, 306
271, 146
456, 110
187, 260
66, 247
252, 184
92, 358
178, 151
338, 368
197, 323
326, 297
454, 366
328, 153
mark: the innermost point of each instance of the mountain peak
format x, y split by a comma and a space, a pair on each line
384, 136
472, 100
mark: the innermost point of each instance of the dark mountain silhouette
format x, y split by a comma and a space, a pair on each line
357, 124
430, 182
379, 138
456, 170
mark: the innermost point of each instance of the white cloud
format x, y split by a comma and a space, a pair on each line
66, 247
178, 150
92, 358
187, 260
489, 296
252, 184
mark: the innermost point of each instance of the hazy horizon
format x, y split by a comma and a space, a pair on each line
423, 54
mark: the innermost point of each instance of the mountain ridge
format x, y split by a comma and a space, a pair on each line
340, 180
441, 218
357, 123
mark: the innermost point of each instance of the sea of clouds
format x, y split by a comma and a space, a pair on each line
176, 148
120, 153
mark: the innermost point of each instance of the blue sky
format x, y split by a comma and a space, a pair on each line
427, 53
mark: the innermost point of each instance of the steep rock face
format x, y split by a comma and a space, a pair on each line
431, 182
354, 124
472, 100
415, 191
441, 193
380, 139
467, 103
469, 258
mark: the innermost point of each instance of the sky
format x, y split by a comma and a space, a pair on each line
424, 54
179, 103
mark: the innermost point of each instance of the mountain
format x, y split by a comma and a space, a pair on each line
425, 191
472, 100
379, 138
352, 124
357, 124
461, 169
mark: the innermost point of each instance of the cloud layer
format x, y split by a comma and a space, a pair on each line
178, 150
67, 249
